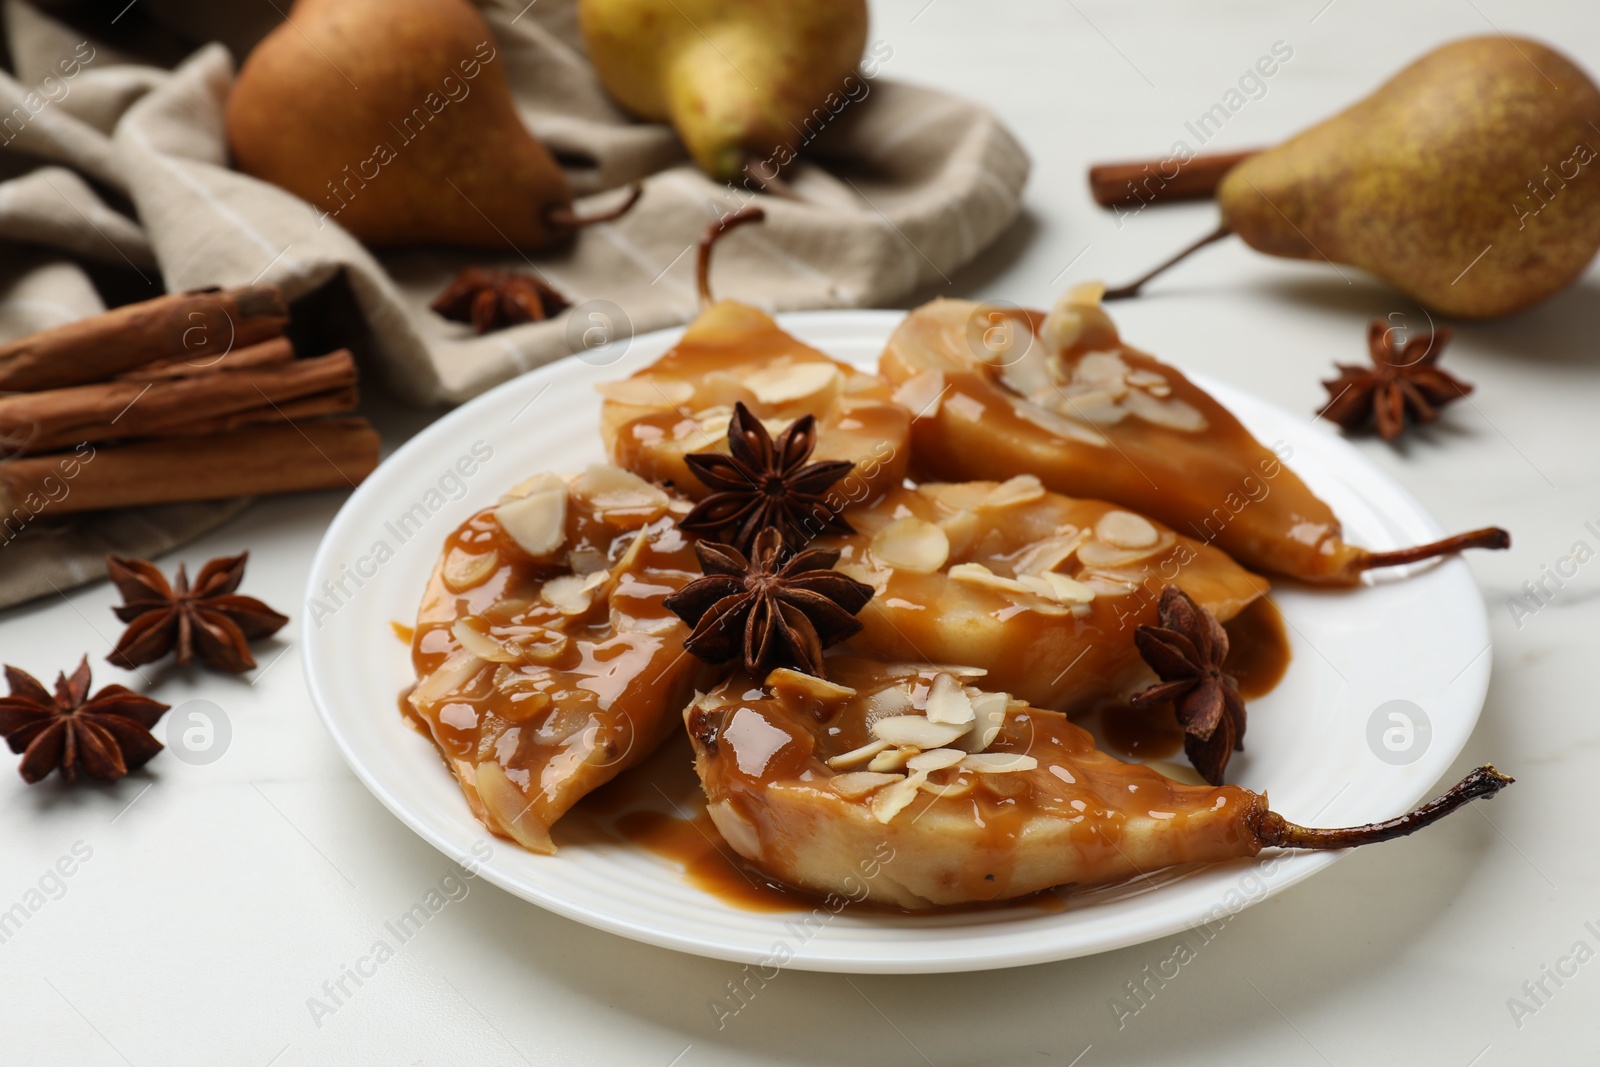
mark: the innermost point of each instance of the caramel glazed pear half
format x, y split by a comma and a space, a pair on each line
1001, 392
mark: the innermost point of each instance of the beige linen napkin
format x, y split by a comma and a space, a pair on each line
120, 167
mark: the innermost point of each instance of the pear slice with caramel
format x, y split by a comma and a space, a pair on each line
1000, 393
545, 662
1042, 591
973, 796
734, 354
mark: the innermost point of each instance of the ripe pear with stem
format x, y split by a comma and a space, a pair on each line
1470, 181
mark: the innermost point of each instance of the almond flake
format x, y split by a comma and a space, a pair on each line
1172, 414
978, 574
1101, 556
998, 762
858, 755
892, 759
473, 633
1050, 553
1124, 529
935, 759
917, 731
529, 486
465, 570
989, 711
959, 788
795, 381
948, 703
453, 675
1067, 590
889, 802
921, 394
808, 684
571, 594
1022, 489
609, 488
537, 522
911, 544
858, 784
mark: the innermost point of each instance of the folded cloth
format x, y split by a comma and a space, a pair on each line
112, 163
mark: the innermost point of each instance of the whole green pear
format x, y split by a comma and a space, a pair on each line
1469, 181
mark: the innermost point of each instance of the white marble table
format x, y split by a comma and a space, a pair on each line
207, 903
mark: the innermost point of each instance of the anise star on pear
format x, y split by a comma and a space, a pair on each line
104, 737
210, 620
495, 299
1187, 652
1404, 381
768, 611
760, 482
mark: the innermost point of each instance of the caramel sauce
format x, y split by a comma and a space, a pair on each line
1258, 648
682, 401
1142, 733
403, 632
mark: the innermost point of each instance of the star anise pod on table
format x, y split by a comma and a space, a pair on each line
1404, 381
760, 483
209, 621
104, 737
494, 299
768, 611
1187, 652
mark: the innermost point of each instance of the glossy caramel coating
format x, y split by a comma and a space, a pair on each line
1079, 817
1064, 656
1160, 445
731, 353
575, 694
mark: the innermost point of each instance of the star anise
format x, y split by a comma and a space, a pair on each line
495, 299
210, 621
1187, 652
1404, 380
760, 483
105, 737
765, 610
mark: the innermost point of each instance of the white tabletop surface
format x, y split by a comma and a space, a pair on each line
208, 903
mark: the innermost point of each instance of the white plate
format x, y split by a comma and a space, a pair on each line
1423, 640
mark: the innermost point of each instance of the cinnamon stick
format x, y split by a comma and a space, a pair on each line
262, 460
1161, 180
199, 325
266, 354
60, 418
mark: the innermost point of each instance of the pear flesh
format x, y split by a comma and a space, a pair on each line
1469, 181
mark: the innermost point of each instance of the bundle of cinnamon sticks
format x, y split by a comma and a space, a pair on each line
190, 396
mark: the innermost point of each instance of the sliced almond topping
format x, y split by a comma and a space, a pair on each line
509, 807
1101, 555
917, 731
1173, 414
647, 391
1124, 529
1019, 490
609, 488
891, 801
958, 788
1069, 428
860, 783
989, 711
948, 703
571, 594
1144, 379
537, 522
1051, 552
473, 633
452, 676
892, 759
1107, 585
978, 574
793, 381
911, 544
529, 486
935, 760
858, 755
786, 680
921, 394
467, 570
998, 762
1066, 590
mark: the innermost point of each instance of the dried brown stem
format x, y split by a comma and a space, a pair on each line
702, 267
562, 218
1274, 831
1492, 537
1133, 287
1146, 181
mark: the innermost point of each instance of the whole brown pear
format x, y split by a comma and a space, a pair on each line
1470, 180
393, 117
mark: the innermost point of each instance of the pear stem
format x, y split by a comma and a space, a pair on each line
565, 219
1274, 831
1133, 287
1492, 537
702, 267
